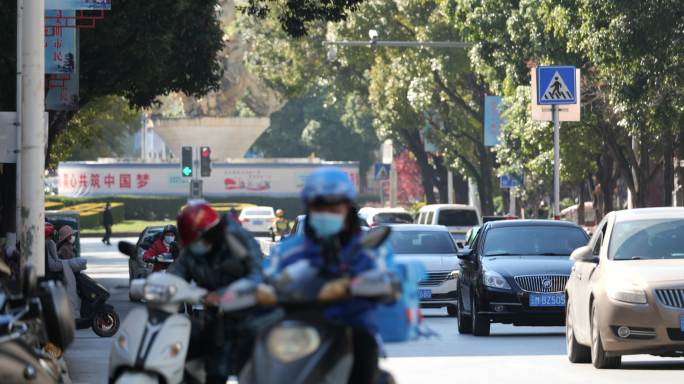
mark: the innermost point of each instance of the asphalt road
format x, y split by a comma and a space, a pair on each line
511, 355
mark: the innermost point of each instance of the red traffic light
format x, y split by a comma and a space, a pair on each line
205, 151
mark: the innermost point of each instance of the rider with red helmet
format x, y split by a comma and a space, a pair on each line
165, 245
207, 260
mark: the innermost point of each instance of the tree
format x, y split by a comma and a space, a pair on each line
295, 17
103, 128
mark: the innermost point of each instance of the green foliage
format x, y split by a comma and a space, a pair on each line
102, 128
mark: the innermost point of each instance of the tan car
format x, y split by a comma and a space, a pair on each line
625, 295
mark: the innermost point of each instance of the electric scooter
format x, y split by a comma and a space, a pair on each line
304, 347
154, 342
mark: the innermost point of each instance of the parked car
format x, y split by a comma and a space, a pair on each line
431, 245
626, 292
257, 220
377, 216
515, 273
458, 218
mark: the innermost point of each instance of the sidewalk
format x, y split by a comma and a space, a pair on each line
88, 357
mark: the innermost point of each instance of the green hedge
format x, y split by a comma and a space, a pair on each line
90, 212
161, 208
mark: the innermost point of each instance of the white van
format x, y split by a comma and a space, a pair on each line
457, 218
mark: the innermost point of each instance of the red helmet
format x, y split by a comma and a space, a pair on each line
196, 219
49, 230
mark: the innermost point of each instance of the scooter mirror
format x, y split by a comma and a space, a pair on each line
127, 248
236, 247
30, 283
137, 288
375, 237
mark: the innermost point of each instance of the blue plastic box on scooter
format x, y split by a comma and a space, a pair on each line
399, 321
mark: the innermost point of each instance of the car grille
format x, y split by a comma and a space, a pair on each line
434, 279
671, 297
542, 283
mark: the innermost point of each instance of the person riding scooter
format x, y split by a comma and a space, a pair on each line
165, 248
280, 225
331, 243
208, 260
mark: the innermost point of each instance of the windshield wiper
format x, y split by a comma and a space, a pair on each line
550, 254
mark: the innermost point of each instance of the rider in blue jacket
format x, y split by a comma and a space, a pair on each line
330, 242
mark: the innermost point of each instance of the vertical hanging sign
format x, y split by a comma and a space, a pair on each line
60, 43
492, 120
79, 4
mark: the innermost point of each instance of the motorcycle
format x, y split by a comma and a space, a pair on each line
95, 312
154, 343
303, 346
30, 320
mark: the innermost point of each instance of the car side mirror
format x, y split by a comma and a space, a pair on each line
584, 254
465, 253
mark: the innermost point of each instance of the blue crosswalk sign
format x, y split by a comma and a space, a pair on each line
556, 85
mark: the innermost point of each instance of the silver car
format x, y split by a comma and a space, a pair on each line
433, 246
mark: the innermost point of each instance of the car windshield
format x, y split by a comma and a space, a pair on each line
647, 239
393, 218
421, 242
457, 218
533, 240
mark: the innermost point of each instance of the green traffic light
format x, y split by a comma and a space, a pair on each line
187, 171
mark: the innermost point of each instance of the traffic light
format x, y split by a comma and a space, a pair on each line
186, 161
205, 161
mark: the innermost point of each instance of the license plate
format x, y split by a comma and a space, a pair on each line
424, 294
547, 300
681, 323
257, 222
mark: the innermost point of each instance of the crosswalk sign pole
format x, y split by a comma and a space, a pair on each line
556, 162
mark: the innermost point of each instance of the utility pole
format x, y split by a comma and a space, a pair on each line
450, 187
32, 154
556, 163
20, 22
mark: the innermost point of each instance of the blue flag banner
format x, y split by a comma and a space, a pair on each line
492, 120
79, 4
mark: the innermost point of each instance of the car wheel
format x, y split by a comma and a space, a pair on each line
481, 325
599, 357
577, 353
465, 325
452, 310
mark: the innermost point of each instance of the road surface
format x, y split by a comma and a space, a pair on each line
511, 355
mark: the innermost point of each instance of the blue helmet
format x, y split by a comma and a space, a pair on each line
328, 185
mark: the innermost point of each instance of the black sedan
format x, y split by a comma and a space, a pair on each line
515, 273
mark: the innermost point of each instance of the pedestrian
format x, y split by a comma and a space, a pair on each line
53, 266
65, 243
107, 221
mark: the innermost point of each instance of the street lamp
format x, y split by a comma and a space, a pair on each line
375, 42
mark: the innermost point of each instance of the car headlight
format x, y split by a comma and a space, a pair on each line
290, 343
453, 275
626, 293
158, 293
495, 280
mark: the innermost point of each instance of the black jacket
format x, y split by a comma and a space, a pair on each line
107, 218
220, 268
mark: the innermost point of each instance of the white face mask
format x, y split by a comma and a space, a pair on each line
169, 239
72, 239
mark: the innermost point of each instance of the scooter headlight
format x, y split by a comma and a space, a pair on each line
290, 343
158, 293
122, 341
173, 350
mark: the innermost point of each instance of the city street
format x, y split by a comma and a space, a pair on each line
510, 355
